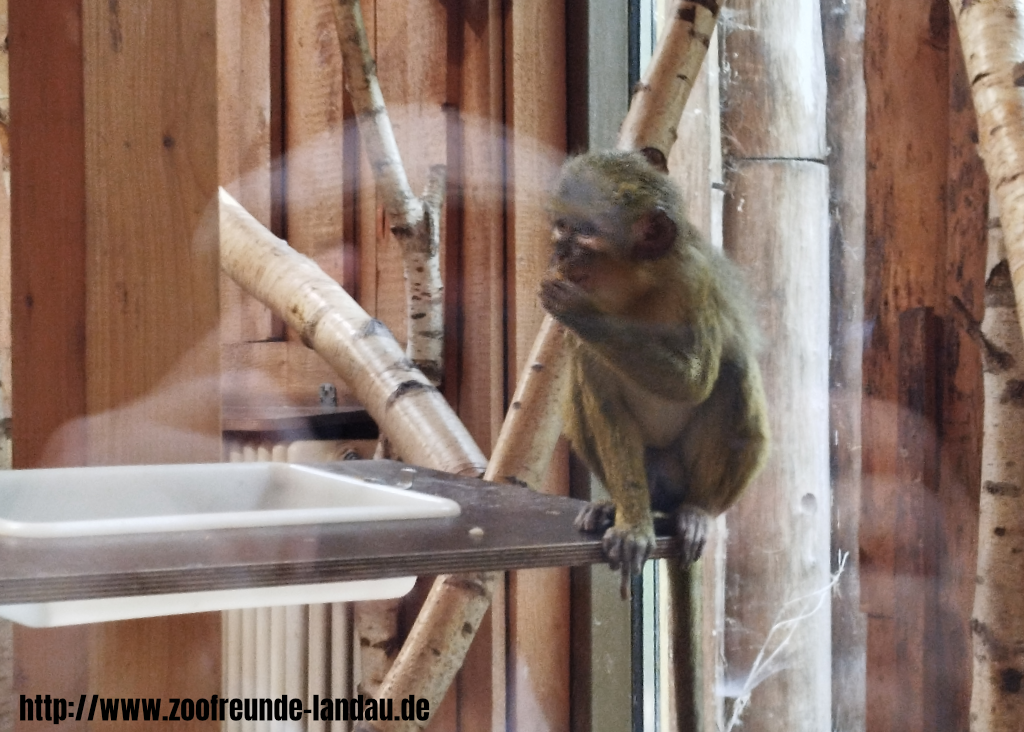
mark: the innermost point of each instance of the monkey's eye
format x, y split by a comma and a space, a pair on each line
586, 228
559, 229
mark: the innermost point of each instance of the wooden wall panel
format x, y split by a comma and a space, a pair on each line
843, 30
244, 119
152, 318
538, 600
925, 246
152, 299
48, 302
907, 133
475, 296
115, 310
317, 193
962, 407
48, 226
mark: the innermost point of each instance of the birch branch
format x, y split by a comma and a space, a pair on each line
997, 623
415, 222
408, 408
440, 638
661, 95
992, 36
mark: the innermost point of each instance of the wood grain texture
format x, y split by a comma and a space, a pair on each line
843, 31
152, 302
776, 228
906, 79
915, 559
962, 409
276, 373
476, 202
244, 151
925, 242
319, 197
474, 281
152, 270
773, 85
48, 303
48, 225
535, 113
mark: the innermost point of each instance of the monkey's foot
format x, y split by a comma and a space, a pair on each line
627, 548
596, 517
692, 533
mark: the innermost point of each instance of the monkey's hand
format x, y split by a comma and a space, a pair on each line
596, 517
692, 533
566, 301
627, 548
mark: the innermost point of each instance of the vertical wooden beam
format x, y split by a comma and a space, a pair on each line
48, 226
776, 225
152, 317
535, 92
925, 234
915, 542
152, 302
843, 30
244, 119
318, 196
962, 408
778, 549
48, 301
475, 302
6, 628
597, 57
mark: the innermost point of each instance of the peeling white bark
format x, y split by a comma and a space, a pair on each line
420, 424
415, 222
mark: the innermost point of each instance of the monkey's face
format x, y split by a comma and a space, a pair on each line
590, 271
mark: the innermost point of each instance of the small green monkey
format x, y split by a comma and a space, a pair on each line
665, 404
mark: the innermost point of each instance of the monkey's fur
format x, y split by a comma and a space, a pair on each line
665, 404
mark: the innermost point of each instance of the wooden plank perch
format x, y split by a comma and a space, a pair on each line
992, 36
421, 425
414, 221
446, 625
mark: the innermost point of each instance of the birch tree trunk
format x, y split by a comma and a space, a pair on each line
776, 226
992, 36
997, 699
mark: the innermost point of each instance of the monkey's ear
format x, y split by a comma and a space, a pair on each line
656, 158
654, 235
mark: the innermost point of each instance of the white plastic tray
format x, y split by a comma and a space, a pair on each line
75, 502
143, 498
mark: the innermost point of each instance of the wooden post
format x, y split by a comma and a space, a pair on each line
47, 303
598, 99
776, 226
924, 227
538, 600
116, 317
843, 31
244, 118
152, 341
